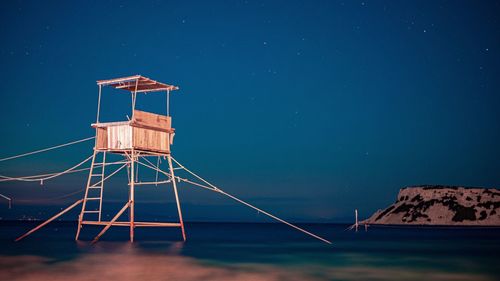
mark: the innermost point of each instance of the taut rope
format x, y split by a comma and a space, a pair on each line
45, 149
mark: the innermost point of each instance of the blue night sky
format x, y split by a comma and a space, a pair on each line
308, 109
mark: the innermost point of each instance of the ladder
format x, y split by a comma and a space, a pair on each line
92, 202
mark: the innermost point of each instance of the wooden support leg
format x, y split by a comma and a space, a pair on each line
51, 219
102, 183
176, 197
131, 202
111, 222
79, 227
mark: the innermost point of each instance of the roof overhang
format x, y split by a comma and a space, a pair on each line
137, 83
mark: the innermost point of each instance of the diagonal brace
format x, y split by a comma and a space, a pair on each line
111, 222
49, 220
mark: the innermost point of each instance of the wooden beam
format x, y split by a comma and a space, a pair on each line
152, 120
141, 224
49, 220
169, 88
128, 83
109, 124
116, 80
146, 90
176, 197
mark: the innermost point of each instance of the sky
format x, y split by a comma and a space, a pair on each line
309, 109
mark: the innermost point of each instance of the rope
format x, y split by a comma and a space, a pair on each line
198, 177
50, 174
151, 163
157, 166
45, 149
49, 177
67, 194
110, 175
6, 178
216, 189
50, 199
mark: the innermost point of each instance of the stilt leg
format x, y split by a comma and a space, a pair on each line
132, 181
176, 196
102, 183
79, 227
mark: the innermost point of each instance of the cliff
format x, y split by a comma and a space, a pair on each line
442, 205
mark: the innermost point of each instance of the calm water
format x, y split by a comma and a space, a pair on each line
226, 251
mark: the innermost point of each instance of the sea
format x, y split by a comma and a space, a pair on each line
249, 251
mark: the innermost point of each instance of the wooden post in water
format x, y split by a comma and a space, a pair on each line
132, 181
356, 215
176, 196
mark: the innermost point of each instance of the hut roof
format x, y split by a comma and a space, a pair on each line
143, 84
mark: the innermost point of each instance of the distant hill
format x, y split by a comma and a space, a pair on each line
442, 205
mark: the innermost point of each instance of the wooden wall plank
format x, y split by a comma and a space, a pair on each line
152, 140
102, 138
120, 137
150, 120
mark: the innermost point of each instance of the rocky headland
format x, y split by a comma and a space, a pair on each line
442, 205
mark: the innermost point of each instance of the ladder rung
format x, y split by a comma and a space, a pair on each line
94, 198
96, 175
95, 187
91, 212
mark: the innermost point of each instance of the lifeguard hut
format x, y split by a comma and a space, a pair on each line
144, 134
